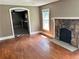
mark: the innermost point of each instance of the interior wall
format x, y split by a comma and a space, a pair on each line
5, 23
62, 8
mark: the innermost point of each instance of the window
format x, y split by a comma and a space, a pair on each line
45, 18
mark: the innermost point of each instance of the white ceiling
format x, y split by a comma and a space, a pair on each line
26, 2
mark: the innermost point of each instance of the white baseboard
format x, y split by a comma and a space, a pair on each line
7, 37
35, 32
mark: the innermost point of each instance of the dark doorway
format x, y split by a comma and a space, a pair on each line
20, 22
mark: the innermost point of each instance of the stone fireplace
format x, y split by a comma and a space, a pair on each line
67, 30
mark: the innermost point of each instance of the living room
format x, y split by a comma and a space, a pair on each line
39, 29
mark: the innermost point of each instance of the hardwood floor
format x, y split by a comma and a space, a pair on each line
34, 47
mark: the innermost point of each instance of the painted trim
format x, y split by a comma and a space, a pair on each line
10, 37
47, 9
12, 21
32, 33
6, 37
64, 18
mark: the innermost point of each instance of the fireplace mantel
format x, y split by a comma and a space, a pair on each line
64, 18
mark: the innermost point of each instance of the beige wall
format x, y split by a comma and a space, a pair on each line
5, 24
62, 8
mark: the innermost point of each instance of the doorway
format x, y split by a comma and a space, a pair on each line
20, 21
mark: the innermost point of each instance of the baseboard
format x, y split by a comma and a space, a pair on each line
7, 37
35, 32
47, 34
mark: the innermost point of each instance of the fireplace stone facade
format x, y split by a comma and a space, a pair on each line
70, 24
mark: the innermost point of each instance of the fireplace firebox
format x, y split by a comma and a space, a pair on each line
65, 35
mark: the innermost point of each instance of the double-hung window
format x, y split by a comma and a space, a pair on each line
45, 19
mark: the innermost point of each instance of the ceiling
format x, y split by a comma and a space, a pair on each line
26, 2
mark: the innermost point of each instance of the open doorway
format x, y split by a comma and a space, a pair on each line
20, 21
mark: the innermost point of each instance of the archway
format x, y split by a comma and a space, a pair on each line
18, 9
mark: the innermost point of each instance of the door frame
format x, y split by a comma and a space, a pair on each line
14, 8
